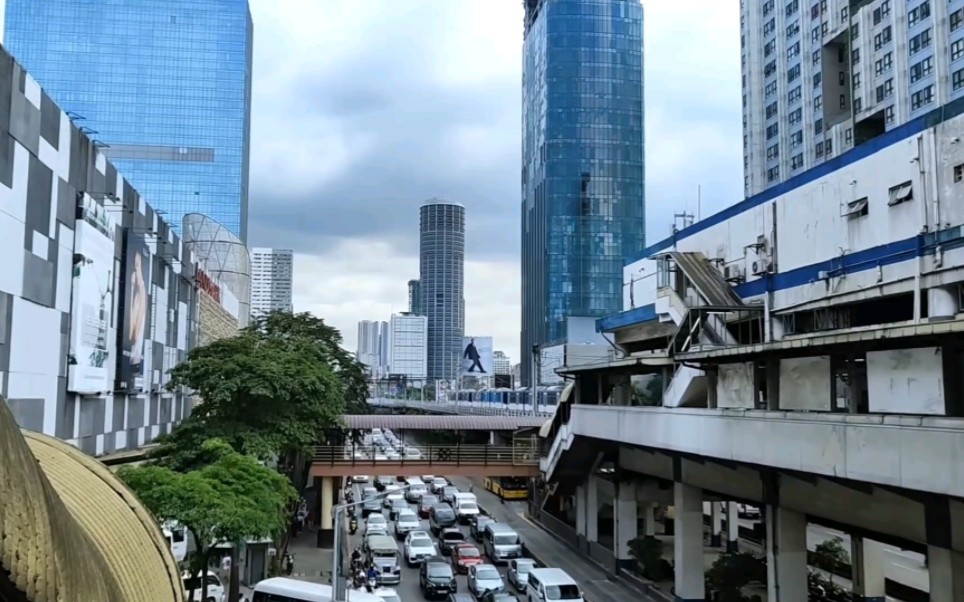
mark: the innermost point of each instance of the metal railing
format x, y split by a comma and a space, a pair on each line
718, 327
522, 453
455, 407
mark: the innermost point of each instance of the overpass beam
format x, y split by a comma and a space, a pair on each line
688, 543
786, 546
627, 523
867, 563
732, 527
946, 569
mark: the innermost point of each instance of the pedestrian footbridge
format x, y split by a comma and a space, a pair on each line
470, 408
444, 422
519, 459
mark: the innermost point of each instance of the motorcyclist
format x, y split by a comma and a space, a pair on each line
372, 577
356, 560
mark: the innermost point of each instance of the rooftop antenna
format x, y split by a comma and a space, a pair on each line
699, 202
684, 219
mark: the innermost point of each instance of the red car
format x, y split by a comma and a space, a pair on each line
464, 556
425, 506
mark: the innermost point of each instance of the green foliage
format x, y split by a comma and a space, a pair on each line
831, 556
648, 552
650, 394
731, 572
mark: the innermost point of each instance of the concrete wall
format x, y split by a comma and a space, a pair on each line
906, 381
215, 321
732, 384
805, 383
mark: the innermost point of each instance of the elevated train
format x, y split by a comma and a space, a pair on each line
511, 397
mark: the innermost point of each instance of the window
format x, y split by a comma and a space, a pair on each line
818, 150
883, 37
856, 81
922, 98
770, 89
815, 12
816, 56
885, 90
796, 162
828, 147
920, 41
770, 47
957, 79
794, 95
884, 64
956, 19
922, 69
773, 152
959, 172
796, 116
767, 7
815, 34
769, 27
793, 73
957, 49
773, 174
918, 14
843, 101
889, 114
817, 78
901, 194
796, 139
817, 103
844, 13
858, 208
792, 7
793, 29
824, 28
855, 56
793, 51
770, 69
848, 136
771, 110
855, 31
772, 131
817, 126
858, 105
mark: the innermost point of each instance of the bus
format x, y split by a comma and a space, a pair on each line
508, 488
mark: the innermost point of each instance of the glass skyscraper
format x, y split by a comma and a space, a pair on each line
441, 250
164, 84
582, 161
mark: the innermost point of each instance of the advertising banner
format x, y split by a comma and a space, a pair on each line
137, 276
477, 356
92, 306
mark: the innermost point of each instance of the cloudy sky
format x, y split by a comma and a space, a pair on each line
364, 109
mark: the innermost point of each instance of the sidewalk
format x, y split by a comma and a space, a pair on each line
547, 550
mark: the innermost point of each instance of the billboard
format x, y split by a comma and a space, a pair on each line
92, 305
137, 277
477, 356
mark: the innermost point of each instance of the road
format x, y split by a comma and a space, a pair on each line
408, 590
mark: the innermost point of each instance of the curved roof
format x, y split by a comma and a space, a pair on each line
449, 422
70, 530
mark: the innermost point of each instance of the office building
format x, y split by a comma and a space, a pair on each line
415, 297
408, 346
442, 281
821, 77
98, 295
372, 346
501, 364
582, 162
162, 86
383, 345
271, 280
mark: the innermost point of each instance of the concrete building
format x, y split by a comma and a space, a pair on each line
807, 339
168, 98
372, 345
582, 163
822, 77
415, 297
408, 346
272, 273
501, 364
98, 296
442, 284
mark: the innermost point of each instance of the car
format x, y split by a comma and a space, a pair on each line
484, 578
748, 511
464, 556
392, 455
418, 547
436, 579
460, 598
370, 506
427, 479
381, 482
360, 478
499, 597
392, 495
380, 457
437, 484
449, 538
448, 494
440, 517
466, 510
425, 504
518, 573
405, 522
411, 453
396, 507
477, 526
369, 491
387, 594
376, 524
416, 489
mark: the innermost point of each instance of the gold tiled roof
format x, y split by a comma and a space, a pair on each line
71, 531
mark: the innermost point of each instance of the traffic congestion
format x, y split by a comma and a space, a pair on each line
420, 537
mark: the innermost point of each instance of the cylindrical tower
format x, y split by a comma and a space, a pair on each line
442, 284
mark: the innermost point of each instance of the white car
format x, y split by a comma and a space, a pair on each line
387, 594
412, 453
376, 525
392, 455
192, 585
406, 522
360, 478
380, 457
418, 547
438, 483
465, 510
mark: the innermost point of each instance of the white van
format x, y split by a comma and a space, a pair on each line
176, 536
215, 593
554, 585
281, 589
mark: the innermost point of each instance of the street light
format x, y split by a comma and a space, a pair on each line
336, 557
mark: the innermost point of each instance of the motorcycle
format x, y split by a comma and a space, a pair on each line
288, 564
370, 587
353, 525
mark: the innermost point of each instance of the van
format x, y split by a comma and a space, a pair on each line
193, 587
292, 590
501, 543
176, 536
383, 553
552, 584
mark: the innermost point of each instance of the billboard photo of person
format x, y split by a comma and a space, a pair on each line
136, 312
472, 354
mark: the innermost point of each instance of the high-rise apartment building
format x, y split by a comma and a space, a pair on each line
408, 346
501, 364
271, 280
442, 282
163, 86
582, 161
415, 297
821, 77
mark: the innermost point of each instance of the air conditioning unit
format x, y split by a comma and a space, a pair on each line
732, 273
761, 266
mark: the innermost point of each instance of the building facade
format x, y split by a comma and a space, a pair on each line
582, 161
272, 274
415, 297
408, 346
442, 284
372, 346
225, 259
98, 295
823, 76
164, 87
501, 364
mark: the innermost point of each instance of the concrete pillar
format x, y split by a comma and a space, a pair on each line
688, 543
716, 524
493, 438
592, 510
786, 544
776, 328
941, 303
626, 527
732, 527
867, 561
580, 503
946, 569
649, 519
773, 384
326, 525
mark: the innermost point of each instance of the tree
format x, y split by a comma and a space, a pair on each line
232, 499
831, 557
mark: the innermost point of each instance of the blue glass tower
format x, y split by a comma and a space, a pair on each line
582, 161
166, 84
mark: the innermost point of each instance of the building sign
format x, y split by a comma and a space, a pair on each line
208, 285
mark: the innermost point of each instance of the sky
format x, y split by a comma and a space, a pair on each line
363, 110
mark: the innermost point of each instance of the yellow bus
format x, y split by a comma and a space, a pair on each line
508, 488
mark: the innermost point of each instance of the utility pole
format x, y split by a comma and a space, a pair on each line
535, 379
